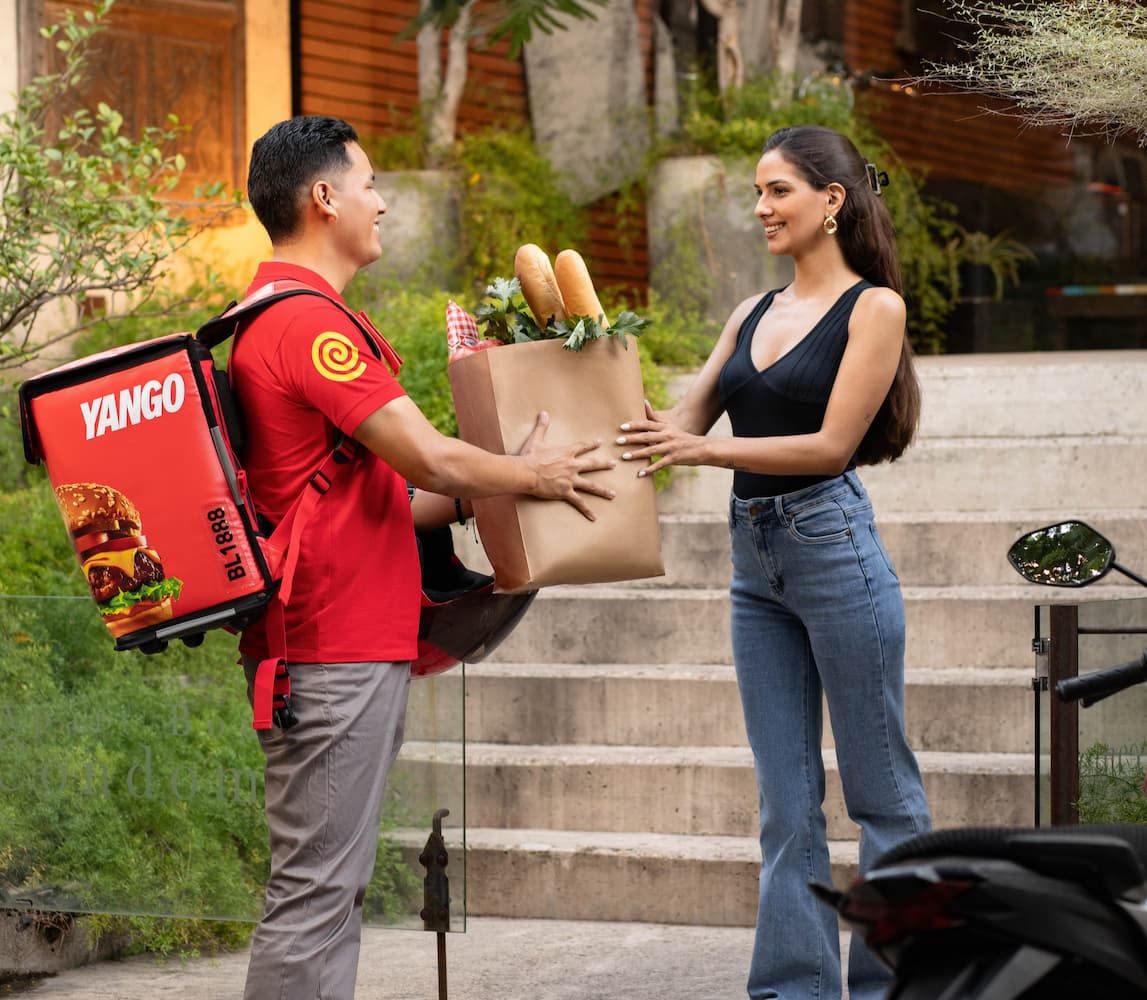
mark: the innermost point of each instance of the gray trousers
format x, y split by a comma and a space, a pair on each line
324, 782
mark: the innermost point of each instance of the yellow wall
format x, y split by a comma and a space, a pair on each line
9, 59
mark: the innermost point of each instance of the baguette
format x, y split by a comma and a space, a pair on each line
539, 286
576, 287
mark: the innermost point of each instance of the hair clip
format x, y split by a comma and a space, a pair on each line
877, 179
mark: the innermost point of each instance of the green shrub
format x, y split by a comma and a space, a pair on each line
1113, 784
36, 556
738, 123
413, 321
15, 472
511, 195
123, 799
396, 150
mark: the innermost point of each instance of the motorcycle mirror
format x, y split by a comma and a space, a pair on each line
1068, 554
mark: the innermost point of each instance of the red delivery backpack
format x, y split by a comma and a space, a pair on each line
140, 445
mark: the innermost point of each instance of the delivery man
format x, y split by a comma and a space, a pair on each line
303, 373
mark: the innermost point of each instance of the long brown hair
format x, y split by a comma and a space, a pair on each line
868, 240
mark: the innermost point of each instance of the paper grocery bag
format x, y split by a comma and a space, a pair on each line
535, 543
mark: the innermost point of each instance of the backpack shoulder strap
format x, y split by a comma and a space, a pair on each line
229, 322
271, 694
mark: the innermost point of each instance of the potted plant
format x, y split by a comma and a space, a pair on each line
981, 262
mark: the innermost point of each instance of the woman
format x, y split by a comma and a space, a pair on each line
817, 378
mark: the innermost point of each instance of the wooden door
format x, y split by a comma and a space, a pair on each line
165, 56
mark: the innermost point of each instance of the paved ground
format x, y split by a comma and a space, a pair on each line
493, 960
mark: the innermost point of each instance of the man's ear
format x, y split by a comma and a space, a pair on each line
322, 195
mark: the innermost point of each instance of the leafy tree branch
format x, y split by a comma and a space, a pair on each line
513, 19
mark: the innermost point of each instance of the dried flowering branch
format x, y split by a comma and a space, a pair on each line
1080, 65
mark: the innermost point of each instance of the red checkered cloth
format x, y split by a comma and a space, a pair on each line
462, 333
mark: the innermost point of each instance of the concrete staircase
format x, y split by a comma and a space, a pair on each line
607, 770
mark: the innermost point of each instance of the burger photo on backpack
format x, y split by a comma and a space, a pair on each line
123, 572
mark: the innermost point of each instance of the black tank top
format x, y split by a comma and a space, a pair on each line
788, 397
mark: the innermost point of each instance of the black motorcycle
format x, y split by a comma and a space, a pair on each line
1017, 914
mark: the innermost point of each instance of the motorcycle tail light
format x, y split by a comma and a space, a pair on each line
888, 918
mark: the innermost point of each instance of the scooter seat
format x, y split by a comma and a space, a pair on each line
1110, 858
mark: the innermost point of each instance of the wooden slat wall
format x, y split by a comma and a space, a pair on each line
617, 253
949, 134
353, 66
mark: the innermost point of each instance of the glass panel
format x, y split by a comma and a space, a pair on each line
1043, 723
133, 784
1113, 732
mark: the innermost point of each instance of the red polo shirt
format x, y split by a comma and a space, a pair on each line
300, 369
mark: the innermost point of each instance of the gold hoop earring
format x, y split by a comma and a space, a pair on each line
830, 226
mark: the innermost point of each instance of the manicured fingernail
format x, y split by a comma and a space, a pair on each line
627, 454
625, 427
641, 474
620, 440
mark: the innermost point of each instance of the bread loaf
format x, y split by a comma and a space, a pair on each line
576, 287
539, 286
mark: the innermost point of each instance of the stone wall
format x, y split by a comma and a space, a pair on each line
421, 227
702, 230
588, 102
33, 944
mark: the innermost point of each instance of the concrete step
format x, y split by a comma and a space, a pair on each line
596, 875
660, 705
945, 548
695, 791
968, 549
1077, 392
948, 627
1008, 395
1058, 475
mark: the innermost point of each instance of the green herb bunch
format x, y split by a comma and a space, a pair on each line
505, 317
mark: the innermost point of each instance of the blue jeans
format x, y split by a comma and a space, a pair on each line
816, 607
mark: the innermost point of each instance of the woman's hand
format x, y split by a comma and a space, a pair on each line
560, 469
657, 436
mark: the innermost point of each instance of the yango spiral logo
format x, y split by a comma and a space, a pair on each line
336, 358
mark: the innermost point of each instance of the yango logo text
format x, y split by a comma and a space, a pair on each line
117, 410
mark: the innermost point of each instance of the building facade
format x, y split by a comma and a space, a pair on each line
229, 68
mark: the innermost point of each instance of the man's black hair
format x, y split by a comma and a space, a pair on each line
287, 160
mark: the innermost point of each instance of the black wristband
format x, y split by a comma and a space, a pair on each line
458, 510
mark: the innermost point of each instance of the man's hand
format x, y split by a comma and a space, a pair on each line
559, 470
